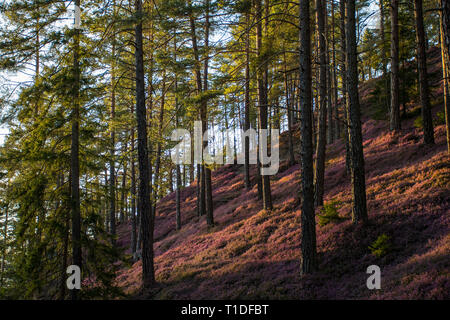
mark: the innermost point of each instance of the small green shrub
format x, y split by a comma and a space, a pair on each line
440, 119
418, 123
329, 213
381, 246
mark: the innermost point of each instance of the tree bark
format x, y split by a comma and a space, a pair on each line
112, 169
74, 159
262, 99
133, 193
395, 86
319, 173
337, 123
208, 183
247, 104
156, 186
144, 203
123, 198
428, 131
359, 210
344, 87
445, 52
308, 244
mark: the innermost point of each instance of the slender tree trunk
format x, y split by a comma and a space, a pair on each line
74, 158
5, 244
384, 53
65, 253
330, 111
262, 100
123, 198
289, 114
395, 87
319, 173
157, 186
445, 52
247, 104
201, 209
144, 203
337, 123
428, 132
359, 211
208, 183
308, 244
344, 87
112, 169
133, 192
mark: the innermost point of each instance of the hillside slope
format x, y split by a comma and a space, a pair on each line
256, 254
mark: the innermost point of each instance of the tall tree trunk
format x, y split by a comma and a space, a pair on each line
344, 87
262, 99
157, 186
395, 87
290, 113
337, 123
445, 52
208, 183
133, 193
144, 203
112, 169
201, 209
65, 253
428, 132
359, 211
308, 225
319, 173
247, 103
384, 54
5, 244
123, 198
74, 158
330, 112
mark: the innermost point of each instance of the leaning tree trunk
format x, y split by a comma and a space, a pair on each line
144, 203
394, 116
359, 210
428, 132
308, 244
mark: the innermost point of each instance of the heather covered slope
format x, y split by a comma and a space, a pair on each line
255, 254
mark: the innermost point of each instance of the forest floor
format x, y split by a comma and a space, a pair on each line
254, 254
